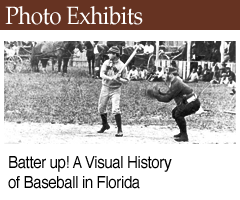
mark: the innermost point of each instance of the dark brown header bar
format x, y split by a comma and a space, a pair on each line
119, 15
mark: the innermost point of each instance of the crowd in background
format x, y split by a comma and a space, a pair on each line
19, 47
215, 75
219, 73
200, 50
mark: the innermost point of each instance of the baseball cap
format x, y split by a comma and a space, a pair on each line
114, 49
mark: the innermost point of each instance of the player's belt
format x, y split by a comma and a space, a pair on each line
193, 97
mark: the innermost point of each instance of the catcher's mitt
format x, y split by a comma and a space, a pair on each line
152, 91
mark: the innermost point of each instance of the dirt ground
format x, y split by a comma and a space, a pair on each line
36, 133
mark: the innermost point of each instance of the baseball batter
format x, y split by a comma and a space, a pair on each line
111, 88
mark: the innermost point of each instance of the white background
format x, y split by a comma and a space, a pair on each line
196, 172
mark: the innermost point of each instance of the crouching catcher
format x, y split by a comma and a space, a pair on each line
186, 100
112, 81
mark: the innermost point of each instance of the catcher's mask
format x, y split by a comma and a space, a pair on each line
171, 70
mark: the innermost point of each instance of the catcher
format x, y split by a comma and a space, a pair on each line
186, 100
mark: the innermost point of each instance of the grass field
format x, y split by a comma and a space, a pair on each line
52, 98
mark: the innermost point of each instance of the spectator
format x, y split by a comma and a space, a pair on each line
222, 69
9, 48
206, 74
231, 74
193, 65
133, 74
143, 73
15, 48
199, 70
151, 72
26, 48
232, 84
232, 51
227, 75
27, 45
215, 52
148, 48
224, 79
141, 47
157, 76
193, 77
7, 44
95, 48
216, 74
229, 51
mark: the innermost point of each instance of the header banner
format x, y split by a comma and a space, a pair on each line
118, 15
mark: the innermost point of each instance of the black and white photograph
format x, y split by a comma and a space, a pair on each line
119, 92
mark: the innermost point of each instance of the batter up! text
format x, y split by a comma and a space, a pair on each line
79, 162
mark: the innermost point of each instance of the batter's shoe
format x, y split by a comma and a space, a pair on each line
119, 134
104, 128
177, 136
105, 125
182, 138
119, 125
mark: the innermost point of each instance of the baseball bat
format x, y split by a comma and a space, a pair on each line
129, 60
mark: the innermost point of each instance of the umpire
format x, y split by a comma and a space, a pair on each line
112, 81
186, 100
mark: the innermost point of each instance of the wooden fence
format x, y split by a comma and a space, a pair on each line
80, 60
184, 69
